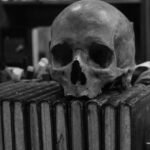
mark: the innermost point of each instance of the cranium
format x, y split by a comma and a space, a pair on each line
92, 43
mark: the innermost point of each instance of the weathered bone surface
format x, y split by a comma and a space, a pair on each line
92, 44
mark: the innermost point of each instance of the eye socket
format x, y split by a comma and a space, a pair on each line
62, 54
100, 54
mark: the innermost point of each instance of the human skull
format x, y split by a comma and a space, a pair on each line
92, 43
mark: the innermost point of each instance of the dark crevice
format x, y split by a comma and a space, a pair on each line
137, 73
12, 126
26, 114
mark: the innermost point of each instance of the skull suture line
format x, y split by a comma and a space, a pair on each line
92, 43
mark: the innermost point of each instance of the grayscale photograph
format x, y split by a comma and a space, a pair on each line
74, 74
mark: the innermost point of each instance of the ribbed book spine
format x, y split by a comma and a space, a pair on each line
7, 128
125, 128
109, 128
19, 126
93, 125
61, 142
34, 127
77, 125
134, 117
46, 123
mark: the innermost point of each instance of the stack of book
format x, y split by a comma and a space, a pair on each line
37, 116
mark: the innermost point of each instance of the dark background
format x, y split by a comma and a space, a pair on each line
22, 17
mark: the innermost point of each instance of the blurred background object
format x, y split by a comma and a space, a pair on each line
25, 27
40, 43
41, 71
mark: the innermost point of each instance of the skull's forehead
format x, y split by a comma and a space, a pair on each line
87, 18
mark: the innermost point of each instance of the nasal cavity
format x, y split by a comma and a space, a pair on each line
76, 74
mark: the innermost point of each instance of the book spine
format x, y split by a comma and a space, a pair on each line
34, 127
46, 126
19, 126
7, 128
76, 125
93, 126
125, 128
61, 142
109, 128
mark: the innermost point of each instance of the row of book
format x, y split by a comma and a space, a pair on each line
36, 116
